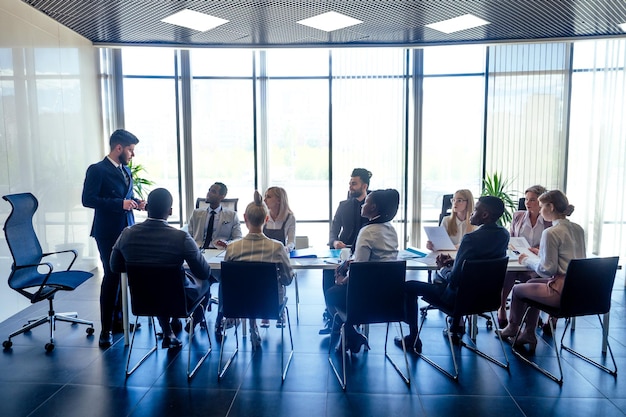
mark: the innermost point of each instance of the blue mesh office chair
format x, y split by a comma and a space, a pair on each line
26, 277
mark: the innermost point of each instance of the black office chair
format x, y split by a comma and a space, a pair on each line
479, 292
586, 291
229, 203
159, 291
375, 294
521, 204
250, 291
446, 206
26, 277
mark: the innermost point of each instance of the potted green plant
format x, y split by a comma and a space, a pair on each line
497, 186
138, 181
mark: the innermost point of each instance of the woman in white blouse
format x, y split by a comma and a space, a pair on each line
457, 224
559, 244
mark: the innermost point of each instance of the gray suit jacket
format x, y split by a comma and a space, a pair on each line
227, 228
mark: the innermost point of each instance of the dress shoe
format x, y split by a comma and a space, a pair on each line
354, 343
547, 331
412, 343
171, 342
105, 340
280, 324
176, 325
188, 325
265, 323
219, 333
507, 332
526, 338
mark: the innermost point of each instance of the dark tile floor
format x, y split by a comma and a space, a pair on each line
79, 379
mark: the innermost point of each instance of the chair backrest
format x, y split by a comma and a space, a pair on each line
229, 203
375, 292
588, 286
480, 286
249, 289
302, 242
521, 204
446, 206
157, 290
19, 231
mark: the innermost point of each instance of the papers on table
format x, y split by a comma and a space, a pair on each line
439, 237
519, 245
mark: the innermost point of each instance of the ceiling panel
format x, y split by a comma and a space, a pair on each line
263, 23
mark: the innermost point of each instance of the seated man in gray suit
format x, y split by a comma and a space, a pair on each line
156, 242
216, 226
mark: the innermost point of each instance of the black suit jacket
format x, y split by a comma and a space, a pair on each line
347, 222
105, 190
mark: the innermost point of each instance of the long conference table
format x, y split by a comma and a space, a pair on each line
314, 258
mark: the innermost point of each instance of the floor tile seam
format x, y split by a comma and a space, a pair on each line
61, 387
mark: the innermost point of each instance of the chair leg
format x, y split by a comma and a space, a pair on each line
282, 346
130, 349
222, 371
558, 380
342, 335
407, 377
455, 376
587, 359
474, 348
295, 280
190, 338
52, 317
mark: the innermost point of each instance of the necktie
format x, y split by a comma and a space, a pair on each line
125, 174
209, 231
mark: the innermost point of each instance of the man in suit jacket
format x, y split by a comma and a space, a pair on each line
346, 225
490, 241
156, 242
225, 226
108, 189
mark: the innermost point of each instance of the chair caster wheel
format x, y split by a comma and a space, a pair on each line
90, 331
7, 344
49, 347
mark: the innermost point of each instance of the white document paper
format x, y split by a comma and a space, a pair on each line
519, 245
439, 237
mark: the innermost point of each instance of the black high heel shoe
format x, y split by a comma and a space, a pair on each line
354, 343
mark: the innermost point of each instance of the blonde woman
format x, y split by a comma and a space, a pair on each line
457, 224
256, 247
281, 223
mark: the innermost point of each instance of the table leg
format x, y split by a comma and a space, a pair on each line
605, 332
124, 285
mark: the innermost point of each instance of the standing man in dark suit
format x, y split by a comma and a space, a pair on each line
346, 225
108, 189
156, 242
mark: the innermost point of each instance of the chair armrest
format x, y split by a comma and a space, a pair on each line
64, 251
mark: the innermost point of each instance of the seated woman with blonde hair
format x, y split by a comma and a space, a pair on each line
256, 247
457, 224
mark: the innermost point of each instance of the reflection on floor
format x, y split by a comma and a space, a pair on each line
79, 379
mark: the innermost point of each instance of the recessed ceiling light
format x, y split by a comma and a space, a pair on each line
194, 20
622, 26
330, 21
467, 21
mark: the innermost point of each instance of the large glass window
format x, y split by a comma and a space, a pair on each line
368, 120
222, 106
452, 124
150, 111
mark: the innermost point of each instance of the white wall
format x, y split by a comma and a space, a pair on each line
50, 131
